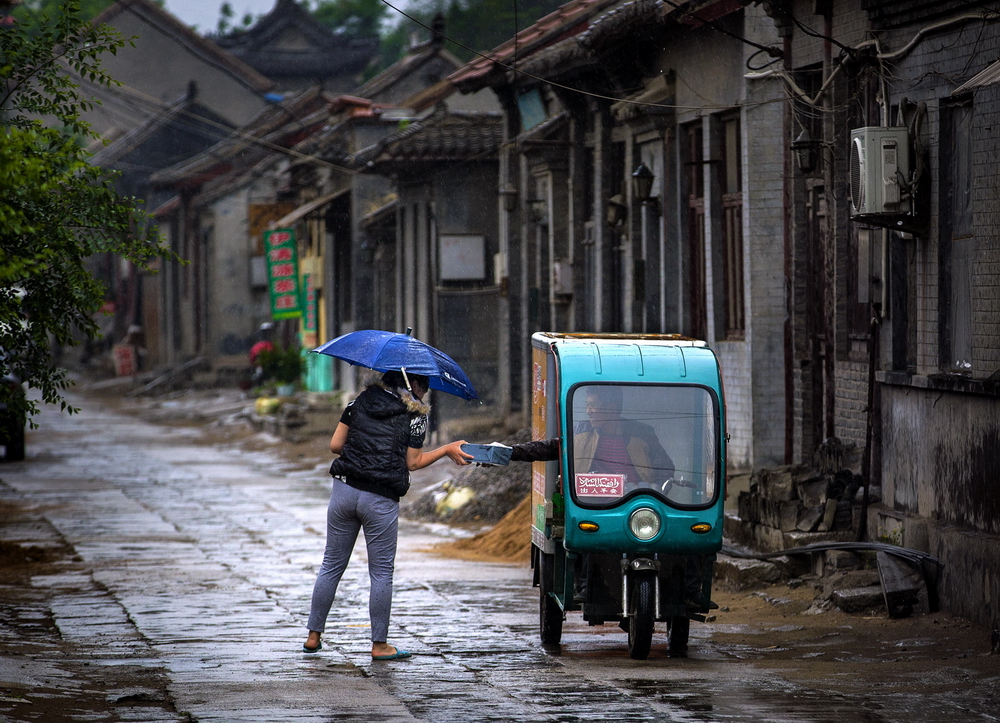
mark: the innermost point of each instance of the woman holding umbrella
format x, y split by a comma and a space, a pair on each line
380, 441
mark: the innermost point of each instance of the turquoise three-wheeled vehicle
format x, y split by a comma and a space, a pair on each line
626, 524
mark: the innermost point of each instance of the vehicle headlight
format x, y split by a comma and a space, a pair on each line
644, 523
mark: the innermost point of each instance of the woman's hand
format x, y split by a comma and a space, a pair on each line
418, 459
455, 453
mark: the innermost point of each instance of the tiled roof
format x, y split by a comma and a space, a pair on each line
622, 17
284, 16
186, 116
285, 123
570, 19
349, 59
405, 67
558, 56
443, 136
429, 96
328, 53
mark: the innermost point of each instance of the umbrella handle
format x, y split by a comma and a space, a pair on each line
406, 379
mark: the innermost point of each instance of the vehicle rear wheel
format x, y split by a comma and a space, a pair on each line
640, 629
550, 614
677, 636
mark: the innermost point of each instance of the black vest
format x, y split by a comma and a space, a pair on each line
374, 456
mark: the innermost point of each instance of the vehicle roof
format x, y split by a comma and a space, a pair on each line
548, 337
631, 359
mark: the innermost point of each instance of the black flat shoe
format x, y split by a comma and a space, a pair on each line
307, 649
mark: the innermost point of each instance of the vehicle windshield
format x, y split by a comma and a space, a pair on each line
650, 438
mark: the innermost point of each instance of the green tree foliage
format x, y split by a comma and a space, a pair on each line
226, 15
56, 210
355, 18
30, 11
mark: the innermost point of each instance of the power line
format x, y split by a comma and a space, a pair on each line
228, 131
772, 51
552, 83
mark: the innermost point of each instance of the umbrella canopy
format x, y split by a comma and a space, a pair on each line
385, 351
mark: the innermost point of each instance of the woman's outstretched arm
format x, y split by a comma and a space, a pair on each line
418, 458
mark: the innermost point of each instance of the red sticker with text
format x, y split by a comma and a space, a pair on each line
600, 485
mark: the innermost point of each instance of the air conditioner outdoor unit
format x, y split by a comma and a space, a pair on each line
880, 172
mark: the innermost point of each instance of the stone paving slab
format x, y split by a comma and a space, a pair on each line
207, 582
184, 585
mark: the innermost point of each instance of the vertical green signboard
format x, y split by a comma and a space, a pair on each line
283, 273
309, 326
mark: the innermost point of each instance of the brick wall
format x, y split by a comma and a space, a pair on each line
851, 402
986, 270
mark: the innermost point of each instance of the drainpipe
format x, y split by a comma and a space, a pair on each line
788, 189
866, 461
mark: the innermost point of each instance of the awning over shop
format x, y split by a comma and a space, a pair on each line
307, 208
384, 214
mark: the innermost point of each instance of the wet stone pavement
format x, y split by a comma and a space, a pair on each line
171, 582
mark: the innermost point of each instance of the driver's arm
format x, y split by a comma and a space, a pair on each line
540, 450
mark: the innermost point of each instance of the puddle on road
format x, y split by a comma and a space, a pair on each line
753, 700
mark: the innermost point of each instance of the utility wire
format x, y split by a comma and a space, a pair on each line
121, 89
228, 131
816, 34
552, 83
772, 51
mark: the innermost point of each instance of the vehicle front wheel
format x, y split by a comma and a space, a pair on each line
550, 614
643, 615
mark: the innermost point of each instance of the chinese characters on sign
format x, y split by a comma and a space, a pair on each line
283, 273
600, 485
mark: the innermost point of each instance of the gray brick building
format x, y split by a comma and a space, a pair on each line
866, 317
924, 268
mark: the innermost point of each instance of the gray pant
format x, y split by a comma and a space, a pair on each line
351, 510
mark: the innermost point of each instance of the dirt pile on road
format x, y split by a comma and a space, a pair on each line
492, 492
509, 540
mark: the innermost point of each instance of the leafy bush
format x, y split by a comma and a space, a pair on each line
284, 365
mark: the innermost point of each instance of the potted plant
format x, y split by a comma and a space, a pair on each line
284, 365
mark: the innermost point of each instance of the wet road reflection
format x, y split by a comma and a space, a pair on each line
197, 562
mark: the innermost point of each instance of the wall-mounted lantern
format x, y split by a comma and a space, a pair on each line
804, 148
642, 187
509, 195
642, 183
617, 210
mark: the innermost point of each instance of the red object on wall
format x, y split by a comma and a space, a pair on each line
125, 359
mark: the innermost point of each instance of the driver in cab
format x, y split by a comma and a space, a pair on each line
608, 443
611, 444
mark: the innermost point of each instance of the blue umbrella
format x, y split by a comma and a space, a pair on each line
385, 351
